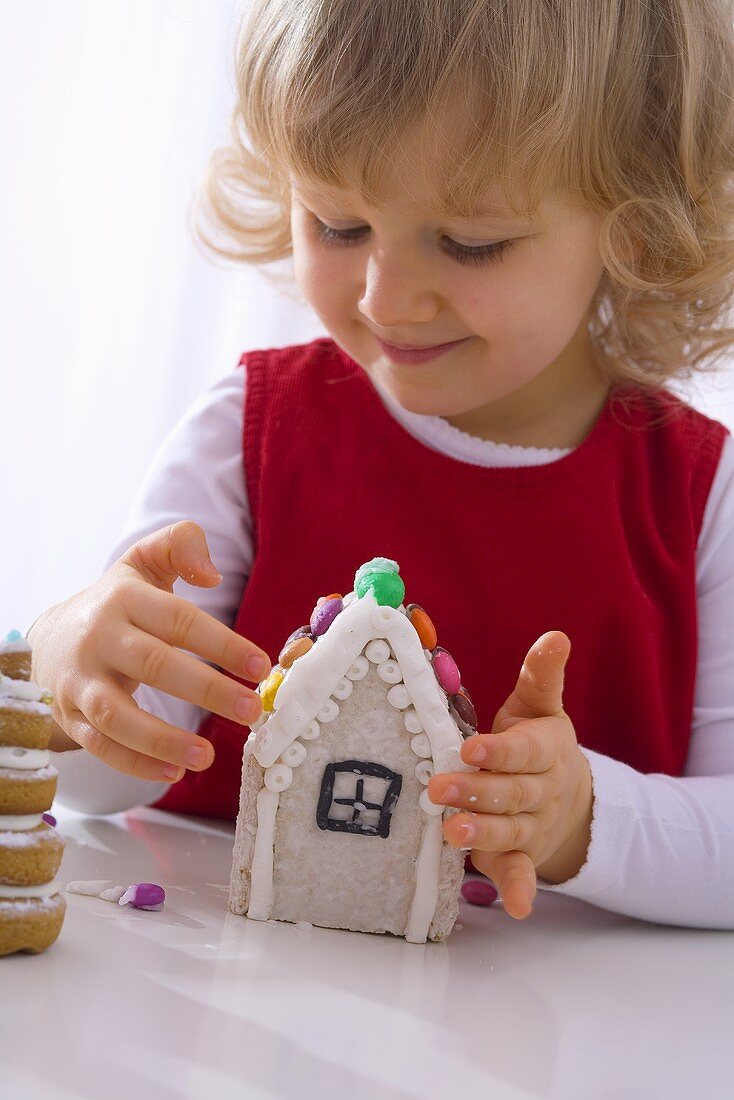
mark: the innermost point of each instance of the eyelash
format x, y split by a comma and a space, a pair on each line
482, 254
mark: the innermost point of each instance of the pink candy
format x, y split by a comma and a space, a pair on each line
479, 892
446, 669
144, 895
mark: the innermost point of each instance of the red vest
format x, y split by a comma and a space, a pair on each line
600, 544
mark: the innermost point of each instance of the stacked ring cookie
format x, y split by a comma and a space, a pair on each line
32, 905
15, 656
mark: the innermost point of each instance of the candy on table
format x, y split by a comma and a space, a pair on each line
422, 624
479, 891
141, 895
381, 578
446, 669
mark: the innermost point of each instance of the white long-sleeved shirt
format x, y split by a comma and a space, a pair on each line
662, 848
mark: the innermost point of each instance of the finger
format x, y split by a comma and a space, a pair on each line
179, 550
114, 715
514, 876
118, 756
488, 794
491, 832
147, 660
180, 623
539, 687
527, 748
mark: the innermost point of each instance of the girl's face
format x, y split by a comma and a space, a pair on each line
511, 295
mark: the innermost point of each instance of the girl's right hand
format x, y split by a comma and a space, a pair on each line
94, 650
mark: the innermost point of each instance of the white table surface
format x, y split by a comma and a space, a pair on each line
193, 1001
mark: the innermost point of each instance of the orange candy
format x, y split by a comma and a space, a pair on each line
421, 622
293, 650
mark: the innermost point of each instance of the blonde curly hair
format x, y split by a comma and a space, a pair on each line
627, 106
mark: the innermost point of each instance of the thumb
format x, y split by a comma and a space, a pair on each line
539, 688
179, 550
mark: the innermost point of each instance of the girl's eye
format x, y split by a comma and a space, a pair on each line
481, 254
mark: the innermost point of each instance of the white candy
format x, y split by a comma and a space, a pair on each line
377, 651
311, 731
343, 689
93, 888
359, 669
411, 721
429, 807
398, 696
389, 671
278, 777
294, 755
328, 712
420, 745
114, 894
423, 771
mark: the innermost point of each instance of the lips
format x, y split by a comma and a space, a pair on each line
416, 354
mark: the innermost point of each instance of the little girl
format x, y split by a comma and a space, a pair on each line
514, 221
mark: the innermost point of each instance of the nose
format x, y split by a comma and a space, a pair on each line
397, 291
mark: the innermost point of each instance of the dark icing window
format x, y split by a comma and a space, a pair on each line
358, 796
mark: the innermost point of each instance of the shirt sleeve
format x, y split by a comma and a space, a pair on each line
197, 474
662, 847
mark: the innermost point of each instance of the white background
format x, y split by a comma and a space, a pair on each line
111, 321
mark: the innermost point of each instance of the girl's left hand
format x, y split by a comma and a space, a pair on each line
529, 806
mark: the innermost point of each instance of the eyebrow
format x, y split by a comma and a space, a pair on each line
494, 213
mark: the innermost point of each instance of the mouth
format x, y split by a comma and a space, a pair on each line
416, 354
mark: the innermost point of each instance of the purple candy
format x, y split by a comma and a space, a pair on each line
49, 819
322, 617
479, 892
302, 632
144, 895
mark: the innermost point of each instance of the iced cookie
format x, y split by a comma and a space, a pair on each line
25, 714
15, 656
30, 917
27, 790
28, 857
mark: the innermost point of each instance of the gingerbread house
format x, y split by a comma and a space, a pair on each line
335, 826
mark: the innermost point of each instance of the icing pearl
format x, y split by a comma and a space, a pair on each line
377, 651
479, 892
420, 745
293, 650
389, 671
294, 755
323, 616
278, 777
412, 722
359, 669
311, 731
421, 622
429, 807
463, 711
398, 696
269, 688
343, 689
328, 712
423, 771
447, 672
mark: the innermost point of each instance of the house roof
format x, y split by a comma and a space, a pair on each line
423, 683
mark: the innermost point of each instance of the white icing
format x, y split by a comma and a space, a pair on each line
411, 721
424, 771
26, 905
427, 871
13, 756
294, 755
41, 890
113, 894
17, 822
311, 731
24, 706
278, 777
24, 690
21, 646
261, 872
398, 697
26, 838
378, 650
389, 671
343, 689
429, 807
34, 775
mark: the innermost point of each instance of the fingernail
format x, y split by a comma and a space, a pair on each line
477, 753
209, 567
258, 667
468, 831
172, 772
247, 708
195, 756
450, 794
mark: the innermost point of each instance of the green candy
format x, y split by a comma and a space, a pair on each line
381, 578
